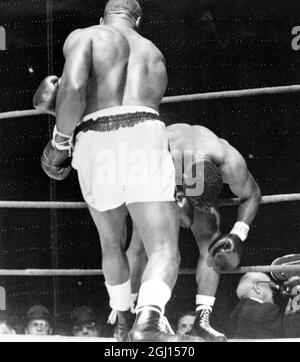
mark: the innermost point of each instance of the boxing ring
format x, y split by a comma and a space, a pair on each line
267, 199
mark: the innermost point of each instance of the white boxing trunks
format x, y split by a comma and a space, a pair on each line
125, 165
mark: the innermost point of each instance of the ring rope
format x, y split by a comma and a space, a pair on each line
252, 269
98, 272
232, 94
18, 114
270, 199
187, 98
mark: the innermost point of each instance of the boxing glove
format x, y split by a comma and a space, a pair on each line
55, 162
56, 157
44, 98
227, 251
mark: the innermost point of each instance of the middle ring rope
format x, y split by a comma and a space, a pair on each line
98, 272
270, 199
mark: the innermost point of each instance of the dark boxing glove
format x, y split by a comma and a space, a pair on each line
44, 98
56, 157
227, 251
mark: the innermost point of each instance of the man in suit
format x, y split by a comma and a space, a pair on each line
256, 315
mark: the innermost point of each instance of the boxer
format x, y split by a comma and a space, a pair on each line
110, 90
218, 163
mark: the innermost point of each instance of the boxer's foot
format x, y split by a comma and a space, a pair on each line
151, 326
124, 321
202, 327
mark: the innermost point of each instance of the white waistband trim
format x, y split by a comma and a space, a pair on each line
118, 110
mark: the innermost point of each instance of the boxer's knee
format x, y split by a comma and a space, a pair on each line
203, 241
112, 249
136, 249
173, 259
168, 256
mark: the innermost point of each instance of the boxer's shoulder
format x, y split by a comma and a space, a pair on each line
96, 32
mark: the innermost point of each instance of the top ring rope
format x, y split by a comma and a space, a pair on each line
188, 98
82, 205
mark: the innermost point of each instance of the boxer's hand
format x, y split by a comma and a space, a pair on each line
186, 210
44, 98
56, 163
227, 251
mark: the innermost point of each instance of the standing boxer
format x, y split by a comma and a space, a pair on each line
111, 87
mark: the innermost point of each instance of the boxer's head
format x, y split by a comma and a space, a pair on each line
130, 8
208, 174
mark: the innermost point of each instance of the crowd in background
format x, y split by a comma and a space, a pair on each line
262, 312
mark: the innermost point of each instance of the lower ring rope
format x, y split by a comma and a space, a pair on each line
187, 98
98, 272
82, 205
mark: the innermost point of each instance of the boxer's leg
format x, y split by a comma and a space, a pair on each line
111, 227
158, 226
205, 228
137, 259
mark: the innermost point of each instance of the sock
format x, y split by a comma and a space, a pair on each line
119, 296
155, 293
204, 301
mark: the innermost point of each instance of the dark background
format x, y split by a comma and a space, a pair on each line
237, 44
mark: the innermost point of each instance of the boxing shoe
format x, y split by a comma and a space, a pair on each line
151, 326
203, 329
124, 321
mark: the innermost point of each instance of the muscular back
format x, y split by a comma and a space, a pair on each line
186, 137
125, 68
231, 163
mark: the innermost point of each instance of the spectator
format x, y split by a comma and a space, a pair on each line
39, 321
185, 323
5, 326
84, 322
256, 315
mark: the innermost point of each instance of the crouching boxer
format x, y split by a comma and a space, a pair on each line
110, 90
214, 163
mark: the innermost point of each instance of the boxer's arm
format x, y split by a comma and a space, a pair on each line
243, 185
71, 96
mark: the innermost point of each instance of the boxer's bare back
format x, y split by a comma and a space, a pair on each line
125, 68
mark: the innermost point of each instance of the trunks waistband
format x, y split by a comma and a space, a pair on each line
114, 122
114, 111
